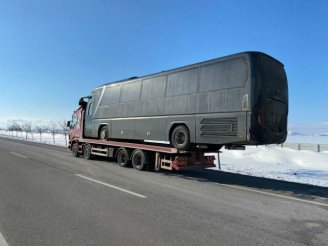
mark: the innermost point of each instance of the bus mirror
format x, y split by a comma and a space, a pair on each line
81, 101
69, 123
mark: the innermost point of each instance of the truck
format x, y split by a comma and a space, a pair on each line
142, 156
233, 101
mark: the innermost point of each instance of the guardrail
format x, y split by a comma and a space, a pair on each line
306, 146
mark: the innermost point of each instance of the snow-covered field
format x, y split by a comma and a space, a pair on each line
274, 162
35, 137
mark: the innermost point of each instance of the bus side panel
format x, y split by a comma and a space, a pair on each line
150, 128
222, 128
123, 128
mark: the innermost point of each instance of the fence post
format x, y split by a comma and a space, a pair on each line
299, 146
318, 147
219, 161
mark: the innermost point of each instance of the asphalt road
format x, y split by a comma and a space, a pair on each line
48, 197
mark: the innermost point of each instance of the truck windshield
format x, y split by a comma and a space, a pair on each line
74, 121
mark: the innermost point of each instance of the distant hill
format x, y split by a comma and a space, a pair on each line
292, 133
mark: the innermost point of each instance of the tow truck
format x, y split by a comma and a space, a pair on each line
141, 155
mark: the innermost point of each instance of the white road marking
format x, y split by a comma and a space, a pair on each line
3, 242
276, 195
112, 186
23, 156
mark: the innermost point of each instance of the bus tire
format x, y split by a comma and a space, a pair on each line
123, 158
180, 137
87, 151
103, 133
75, 149
139, 160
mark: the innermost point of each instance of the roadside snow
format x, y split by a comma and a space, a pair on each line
274, 162
35, 137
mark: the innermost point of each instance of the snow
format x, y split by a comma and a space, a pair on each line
35, 137
274, 162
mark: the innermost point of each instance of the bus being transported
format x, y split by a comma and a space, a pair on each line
236, 100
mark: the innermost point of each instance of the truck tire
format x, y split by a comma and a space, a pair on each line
75, 149
180, 137
87, 151
139, 160
123, 158
103, 133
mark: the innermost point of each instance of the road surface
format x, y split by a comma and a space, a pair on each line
49, 197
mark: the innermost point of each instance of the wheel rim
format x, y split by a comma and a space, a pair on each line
74, 149
180, 138
103, 134
122, 158
137, 161
87, 152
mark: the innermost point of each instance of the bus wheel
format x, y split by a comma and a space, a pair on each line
139, 160
123, 158
75, 149
103, 133
180, 137
87, 151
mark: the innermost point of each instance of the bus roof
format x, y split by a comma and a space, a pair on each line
189, 66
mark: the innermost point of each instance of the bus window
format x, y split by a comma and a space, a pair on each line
223, 75
182, 83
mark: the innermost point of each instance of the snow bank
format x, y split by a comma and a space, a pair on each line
35, 137
278, 163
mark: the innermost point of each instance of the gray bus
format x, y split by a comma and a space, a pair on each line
237, 100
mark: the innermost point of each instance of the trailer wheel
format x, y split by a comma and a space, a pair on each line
75, 149
139, 160
123, 158
87, 151
103, 133
180, 137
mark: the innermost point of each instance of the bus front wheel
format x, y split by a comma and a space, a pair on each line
180, 137
103, 133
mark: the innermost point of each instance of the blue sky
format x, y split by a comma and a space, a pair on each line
54, 52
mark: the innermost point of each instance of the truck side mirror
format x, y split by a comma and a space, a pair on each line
69, 123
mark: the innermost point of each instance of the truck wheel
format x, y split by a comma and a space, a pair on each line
123, 158
180, 137
75, 149
103, 134
87, 151
139, 160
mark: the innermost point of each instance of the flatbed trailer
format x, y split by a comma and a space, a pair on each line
142, 156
